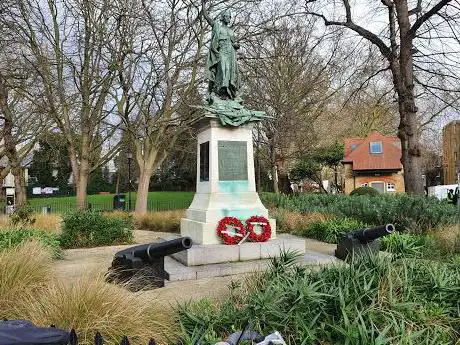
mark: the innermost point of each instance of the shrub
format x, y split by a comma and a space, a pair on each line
407, 245
365, 191
90, 228
23, 270
292, 221
419, 214
330, 230
376, 300
10, 238
91, 305
22, 216
164, 221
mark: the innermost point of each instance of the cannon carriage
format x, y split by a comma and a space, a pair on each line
142, 267
362, 241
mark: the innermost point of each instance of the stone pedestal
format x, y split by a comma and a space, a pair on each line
225, 183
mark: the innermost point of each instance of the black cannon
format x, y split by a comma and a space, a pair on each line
142, 267
362, 240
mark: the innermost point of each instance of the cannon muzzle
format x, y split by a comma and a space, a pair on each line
371, 234
143, 266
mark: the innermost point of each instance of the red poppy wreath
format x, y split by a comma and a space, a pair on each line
231, 237
266, 229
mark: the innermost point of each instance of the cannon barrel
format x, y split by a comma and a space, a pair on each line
371, 234
151, 251
362, 241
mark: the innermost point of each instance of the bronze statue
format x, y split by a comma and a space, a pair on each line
224, 101
221, 64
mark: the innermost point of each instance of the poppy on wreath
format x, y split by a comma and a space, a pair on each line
229, 237
266, 233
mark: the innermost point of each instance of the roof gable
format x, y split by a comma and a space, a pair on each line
362, 159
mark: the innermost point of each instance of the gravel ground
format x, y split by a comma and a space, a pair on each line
95, 261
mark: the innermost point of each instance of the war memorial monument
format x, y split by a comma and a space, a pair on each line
226, 220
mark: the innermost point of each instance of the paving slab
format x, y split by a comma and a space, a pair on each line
220, 253
180, 272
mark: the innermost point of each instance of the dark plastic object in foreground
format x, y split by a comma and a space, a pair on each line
142, 267
20, 332
362, 241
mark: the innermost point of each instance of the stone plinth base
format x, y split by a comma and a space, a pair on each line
206, 234
220, 253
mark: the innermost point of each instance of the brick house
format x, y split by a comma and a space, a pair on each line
451, 151
373, 161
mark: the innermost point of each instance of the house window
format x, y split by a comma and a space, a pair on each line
380, 186
391, 187
204, 161
375, 147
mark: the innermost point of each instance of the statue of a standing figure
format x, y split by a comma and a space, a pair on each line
224, 100
221, 64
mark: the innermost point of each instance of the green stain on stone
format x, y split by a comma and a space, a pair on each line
233, 186
235, 210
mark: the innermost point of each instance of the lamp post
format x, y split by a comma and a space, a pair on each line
129, 155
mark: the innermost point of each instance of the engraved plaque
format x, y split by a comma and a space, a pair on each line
233, 160
204, 161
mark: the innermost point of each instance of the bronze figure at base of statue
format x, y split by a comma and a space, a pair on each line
231, 112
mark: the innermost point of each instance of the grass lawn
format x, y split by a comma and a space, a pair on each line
156, 201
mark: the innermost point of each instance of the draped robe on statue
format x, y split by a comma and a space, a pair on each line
224, 79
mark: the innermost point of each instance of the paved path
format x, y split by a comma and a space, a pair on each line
95, 261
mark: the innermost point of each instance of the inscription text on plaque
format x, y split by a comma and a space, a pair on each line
233, 160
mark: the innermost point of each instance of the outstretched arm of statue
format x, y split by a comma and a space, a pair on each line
206, 14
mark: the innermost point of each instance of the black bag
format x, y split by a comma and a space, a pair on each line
20, 332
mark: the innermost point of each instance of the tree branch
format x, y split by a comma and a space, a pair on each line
419, 22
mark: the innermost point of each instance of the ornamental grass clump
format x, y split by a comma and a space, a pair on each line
164, 221
24, 270
90, 304
372, 300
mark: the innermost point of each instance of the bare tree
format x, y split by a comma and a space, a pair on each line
157, 80
412, 31
289, 76
21, 119
67, 44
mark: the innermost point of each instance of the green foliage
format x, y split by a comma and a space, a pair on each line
98, 182
22, 216
407, 245
375, 300
52, 154
330, 230
365, 191
310, 165
10, 238
419, 214
91, 228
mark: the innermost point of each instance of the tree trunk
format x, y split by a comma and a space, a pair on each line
284, 183
143, 189
81, 186
82, 183
19, 186
11, 152
408, 129
275, 178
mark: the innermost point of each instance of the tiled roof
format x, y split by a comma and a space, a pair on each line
362, 159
